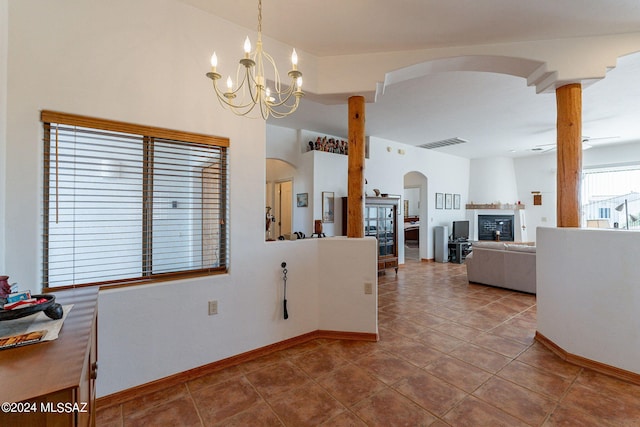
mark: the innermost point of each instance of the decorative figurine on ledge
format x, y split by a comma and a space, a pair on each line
269, 219
317, 228
329, 145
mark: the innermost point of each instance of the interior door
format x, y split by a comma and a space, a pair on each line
284, 202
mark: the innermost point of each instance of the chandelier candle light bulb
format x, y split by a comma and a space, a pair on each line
247, 47
229, 94
251, 90
268, 98
214, 62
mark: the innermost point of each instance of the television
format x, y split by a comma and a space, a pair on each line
460, 230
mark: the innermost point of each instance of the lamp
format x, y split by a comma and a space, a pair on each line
626, 211
252, 90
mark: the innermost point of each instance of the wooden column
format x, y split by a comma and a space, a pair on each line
569, 128
355, 190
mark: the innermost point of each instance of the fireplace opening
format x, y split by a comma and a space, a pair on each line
490, 226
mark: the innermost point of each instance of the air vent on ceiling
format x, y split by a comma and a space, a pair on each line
443, 143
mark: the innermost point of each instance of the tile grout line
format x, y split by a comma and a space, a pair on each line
193, 401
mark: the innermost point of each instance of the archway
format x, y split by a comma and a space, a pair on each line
416, 216
279, 198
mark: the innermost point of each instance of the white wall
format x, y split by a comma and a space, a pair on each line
334, 252
144, 62
494, 181
588, 294
4, 32
330, 174
621, 154
537, 173
412, 201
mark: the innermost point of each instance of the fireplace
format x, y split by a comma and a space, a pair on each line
488, 225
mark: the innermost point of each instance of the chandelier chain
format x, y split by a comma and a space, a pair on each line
259, 18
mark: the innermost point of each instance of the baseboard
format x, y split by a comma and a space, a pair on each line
181, 377
602, 368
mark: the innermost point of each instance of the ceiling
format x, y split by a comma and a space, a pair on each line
498, 114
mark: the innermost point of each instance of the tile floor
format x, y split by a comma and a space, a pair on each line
450, 353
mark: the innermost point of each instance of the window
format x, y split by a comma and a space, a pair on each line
605, 213
127, 204
612, 194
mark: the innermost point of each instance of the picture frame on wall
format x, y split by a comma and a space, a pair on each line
456, 201
439, 200
448, 201
328, 206
302, 200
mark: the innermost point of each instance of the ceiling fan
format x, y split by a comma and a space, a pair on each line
586, 144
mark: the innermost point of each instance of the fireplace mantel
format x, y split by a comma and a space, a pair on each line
501, 206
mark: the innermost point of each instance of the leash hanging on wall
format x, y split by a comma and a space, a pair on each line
284, 277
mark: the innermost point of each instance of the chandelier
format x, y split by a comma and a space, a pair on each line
251, 92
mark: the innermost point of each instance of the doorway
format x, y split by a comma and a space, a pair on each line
283, 201
416, 223
411, 211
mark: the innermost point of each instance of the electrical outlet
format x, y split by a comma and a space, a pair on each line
213, 307
368, 288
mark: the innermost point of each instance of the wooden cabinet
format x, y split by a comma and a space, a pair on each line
381, 222
55, 380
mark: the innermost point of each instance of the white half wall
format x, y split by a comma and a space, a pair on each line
588, 294
341, 291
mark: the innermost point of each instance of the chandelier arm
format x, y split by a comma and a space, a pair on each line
281, 101
280, 114
276, 79
226, 100
251, 83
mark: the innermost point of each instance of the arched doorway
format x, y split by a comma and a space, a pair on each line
415, 212
279, 198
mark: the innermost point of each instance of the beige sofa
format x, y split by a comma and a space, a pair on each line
503, 264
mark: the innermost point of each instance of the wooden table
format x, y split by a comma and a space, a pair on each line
387, 262
54, 381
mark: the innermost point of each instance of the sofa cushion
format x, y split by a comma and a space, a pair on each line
520, 248
488, 244
485, 266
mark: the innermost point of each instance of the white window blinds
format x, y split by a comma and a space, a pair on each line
126, 203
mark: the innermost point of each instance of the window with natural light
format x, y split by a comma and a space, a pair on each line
128, 204
611, 197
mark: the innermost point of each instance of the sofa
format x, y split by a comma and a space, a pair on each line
503, 264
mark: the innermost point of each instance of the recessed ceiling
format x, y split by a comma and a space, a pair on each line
498, 114
339, 27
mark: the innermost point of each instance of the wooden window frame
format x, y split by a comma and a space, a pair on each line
149, 134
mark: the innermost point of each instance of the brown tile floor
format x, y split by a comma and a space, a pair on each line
450, 353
